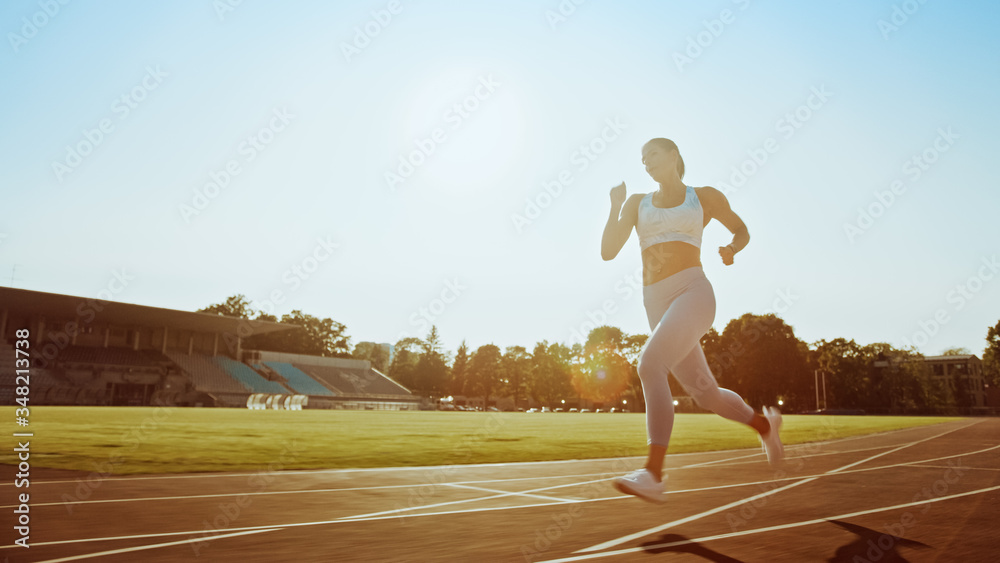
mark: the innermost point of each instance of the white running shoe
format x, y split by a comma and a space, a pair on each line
772, 442
642, 484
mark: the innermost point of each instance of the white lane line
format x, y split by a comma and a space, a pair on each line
812, 445
622, 497
767, 529
153, 546
540, 497
399, 511
732, 461
320, 472
822, 475
485, 509
721, 463
612, 543
787, 456
278, 526
681, 491
963, 468
285, 472
304, 491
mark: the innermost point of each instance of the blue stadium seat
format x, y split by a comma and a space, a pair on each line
299, 380
248, 377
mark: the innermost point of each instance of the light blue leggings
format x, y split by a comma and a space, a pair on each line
681, 309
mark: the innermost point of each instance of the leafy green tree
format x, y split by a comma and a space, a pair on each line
897, 382
403, 368
549, 378
376, 354
460, 384
719, 356
431, 373
603, 373
632, 346
842, 363
235, 306
711, 344
766, 360
880, 378
956, 352
312, 336
517, 370
991, 356
486, 371
883, 378
918, 393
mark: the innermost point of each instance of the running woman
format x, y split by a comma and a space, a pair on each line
680, 305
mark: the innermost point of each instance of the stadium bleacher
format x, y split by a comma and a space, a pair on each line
354, 381
93, 375
248, 377
45, 378
206, 374
114, 356
43, 382
298, 380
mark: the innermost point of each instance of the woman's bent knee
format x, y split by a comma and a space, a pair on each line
707, 399
646, 366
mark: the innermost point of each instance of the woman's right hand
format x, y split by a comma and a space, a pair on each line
618, 195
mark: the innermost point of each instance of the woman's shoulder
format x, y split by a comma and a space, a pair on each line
710, 197
633, 203
637, 198
707, 192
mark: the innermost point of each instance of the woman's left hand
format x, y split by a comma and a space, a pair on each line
727, 255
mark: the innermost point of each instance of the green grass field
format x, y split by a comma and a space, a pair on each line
125, 440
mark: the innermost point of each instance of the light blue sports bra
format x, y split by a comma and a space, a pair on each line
683, 223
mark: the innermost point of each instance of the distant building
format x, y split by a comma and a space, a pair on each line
964, 375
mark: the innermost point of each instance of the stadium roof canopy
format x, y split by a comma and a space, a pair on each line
24, 302
954, 357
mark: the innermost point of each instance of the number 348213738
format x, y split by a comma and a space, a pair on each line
22, 366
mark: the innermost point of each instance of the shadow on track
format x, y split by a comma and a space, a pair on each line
872, 545
662, 545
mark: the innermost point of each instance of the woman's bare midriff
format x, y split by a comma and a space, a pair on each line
665, 259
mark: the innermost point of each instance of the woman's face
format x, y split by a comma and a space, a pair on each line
660, 161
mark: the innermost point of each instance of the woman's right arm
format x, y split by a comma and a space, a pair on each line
620, 222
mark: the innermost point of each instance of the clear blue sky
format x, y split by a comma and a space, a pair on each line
312, 105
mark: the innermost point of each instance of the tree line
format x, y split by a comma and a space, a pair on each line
757, 356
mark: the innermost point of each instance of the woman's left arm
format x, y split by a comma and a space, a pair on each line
718, 208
